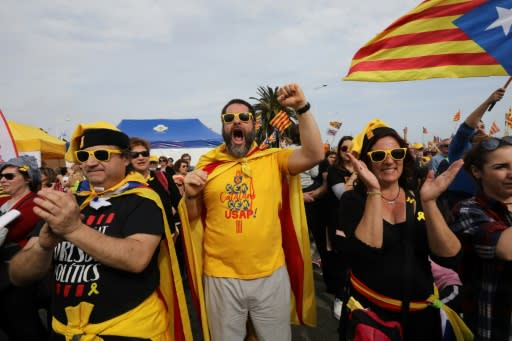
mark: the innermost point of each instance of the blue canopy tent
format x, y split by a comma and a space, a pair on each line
172, 133
173, 137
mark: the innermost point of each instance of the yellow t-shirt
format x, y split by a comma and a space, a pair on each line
242, 237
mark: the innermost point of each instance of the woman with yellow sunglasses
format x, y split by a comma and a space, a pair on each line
391, 231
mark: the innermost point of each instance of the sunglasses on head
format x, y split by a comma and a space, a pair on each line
242, 116
396, 154
99, 154
492, 143
135, 155
7, 176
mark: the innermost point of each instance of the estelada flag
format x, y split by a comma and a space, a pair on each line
7, 145
439, 39
494, 128
281, 121
456, 116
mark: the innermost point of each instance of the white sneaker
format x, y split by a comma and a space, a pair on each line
336, 310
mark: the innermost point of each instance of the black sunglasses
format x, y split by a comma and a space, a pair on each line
242, 116
396, 154
99, 154
492, 143
7, 176
344, 149
135, 155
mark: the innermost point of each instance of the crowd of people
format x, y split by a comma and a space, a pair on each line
124, 245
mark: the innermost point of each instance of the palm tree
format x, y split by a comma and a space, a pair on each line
266, 108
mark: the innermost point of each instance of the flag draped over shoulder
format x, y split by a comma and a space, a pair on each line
440, 39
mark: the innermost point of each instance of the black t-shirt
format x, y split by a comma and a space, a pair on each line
335, 176
382, 269
79, 277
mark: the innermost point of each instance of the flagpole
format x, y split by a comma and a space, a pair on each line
504, 87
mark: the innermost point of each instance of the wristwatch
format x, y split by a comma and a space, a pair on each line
304, 109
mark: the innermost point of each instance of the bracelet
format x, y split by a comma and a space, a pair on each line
304, 109
373, 193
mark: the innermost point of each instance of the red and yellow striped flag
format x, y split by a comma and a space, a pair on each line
494, 128
456, 116
437, 39
281, 121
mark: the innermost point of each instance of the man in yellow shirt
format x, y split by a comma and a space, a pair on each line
240, 207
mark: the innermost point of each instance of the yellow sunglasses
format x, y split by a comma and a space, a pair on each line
99, 154
396, 154
242, 116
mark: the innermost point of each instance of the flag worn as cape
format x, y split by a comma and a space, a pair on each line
294, 235
440, 39
171, 285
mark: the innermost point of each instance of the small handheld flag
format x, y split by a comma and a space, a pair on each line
281, 121
456, 116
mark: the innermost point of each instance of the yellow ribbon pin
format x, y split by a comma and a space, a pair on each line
421, 216
94, 289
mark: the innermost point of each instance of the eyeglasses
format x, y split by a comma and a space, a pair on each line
7, 176
162, 160
242, 116
135, 155
396, 154
492, 143
344, 149
99, 154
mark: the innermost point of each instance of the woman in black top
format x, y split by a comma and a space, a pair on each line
388, 249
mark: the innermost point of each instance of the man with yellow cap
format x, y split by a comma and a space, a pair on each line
244, 227
115, 277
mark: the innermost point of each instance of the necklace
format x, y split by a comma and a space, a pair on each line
391, 201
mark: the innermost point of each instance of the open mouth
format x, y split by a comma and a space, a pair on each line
237, 136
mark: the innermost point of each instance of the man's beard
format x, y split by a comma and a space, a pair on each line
239, 150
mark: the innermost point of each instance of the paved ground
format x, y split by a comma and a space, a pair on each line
327, 326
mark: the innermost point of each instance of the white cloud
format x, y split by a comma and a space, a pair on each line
66, 62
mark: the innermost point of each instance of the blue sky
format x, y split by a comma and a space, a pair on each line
66, 62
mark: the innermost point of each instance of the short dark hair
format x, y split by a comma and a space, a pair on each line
137, 141
239, 101
178, 163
